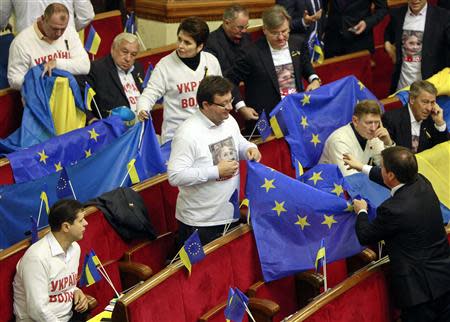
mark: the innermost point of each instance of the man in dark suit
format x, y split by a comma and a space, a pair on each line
418, 41
117, 79
273, 67
420, 125
225, 41
349, 25
306, 15
410, 222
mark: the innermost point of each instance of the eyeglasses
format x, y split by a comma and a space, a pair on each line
240, 27
283, 33
224, 105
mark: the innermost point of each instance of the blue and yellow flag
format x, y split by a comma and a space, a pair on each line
315, 48
263, 126
44, 200
130, 24
108, 167
307, 119
237, 304
64, 150
89, 94
90, 274
289, 222
136, 169
53, 106
148, 73
192, 251
34, 230
93, 41
320, 257
63, 187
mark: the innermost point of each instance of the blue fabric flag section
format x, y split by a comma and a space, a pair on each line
236, 305
315, 48
108, 167
326, 177
234, 199
165, 151
37, 123
361, 185
64, 150
90, 273
148, 73
130, 24
307, 119
288, 224
194, 249
263, 126
34, 230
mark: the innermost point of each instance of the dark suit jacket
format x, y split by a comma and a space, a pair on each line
411, 224
436, 41
224, 49
340, 41
255, 68
104, 79
398, 124
296, 9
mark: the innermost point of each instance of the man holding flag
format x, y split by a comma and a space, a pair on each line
49, 41
117, 78
204, 163
45, 282
410, 222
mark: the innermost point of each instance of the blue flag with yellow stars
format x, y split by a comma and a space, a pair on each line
290, 219
307, 119
90, 177
53, 106
64, 150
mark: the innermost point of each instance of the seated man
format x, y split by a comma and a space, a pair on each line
225, 42
117, 79
204, 163
273, 67
365, 138
46, 278
48, 41
420, 125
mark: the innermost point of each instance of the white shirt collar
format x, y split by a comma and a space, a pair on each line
277, 50
412, 118
421, 12
394, 190
210, 124
56, 249
120, 70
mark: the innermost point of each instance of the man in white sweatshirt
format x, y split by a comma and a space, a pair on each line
365, 137
46, 277
49, 41
204, 163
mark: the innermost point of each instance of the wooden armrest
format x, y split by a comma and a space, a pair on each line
132, 273
263, 309
360, 260
254, 288
307, 285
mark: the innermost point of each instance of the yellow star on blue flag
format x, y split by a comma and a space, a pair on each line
306, 99
43, 157
93, 134
268, 184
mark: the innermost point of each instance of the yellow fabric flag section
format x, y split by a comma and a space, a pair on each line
276, 128
441, 81
434, 164
133, 172
185, 260
44, 199
320, 255
66, 116
100, 316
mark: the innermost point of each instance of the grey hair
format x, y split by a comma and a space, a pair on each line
422, 85
275, 16
124, 36
232, 12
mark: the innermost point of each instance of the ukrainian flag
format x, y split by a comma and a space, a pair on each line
93, 41
192, 251
90, 274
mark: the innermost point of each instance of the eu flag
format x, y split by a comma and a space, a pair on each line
63, 189
130, 24
237, 304
90, 177
64, 150
289, 220
263, 126
307, 119
192, 251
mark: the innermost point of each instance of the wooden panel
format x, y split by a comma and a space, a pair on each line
177, 10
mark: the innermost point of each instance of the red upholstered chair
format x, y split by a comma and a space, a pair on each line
391, 103
10, 111
6, 174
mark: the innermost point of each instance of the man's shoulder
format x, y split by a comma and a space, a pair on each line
104, 62
24, 36
394, 114
39, 249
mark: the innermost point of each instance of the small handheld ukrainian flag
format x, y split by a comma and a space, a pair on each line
92, 42
315, 48
89, 94
90, 274
192, 251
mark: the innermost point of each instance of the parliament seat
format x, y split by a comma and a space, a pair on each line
11, 111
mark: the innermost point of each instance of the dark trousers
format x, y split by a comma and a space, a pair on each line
206, 233
79, 317
437, 310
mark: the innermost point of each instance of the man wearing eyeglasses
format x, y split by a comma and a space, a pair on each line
225, 41
204, 163
273, 67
